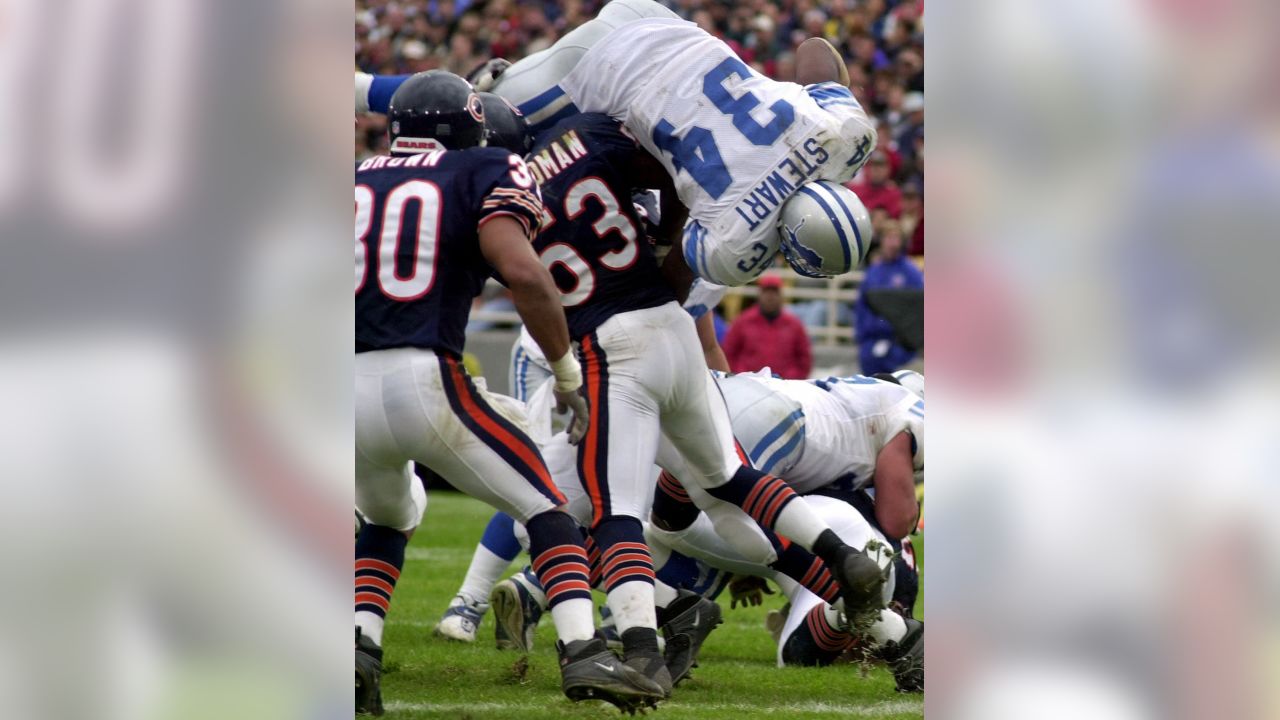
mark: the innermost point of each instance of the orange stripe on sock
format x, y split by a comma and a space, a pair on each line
380, 566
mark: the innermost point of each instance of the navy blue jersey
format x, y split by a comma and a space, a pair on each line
418, 260
592, 240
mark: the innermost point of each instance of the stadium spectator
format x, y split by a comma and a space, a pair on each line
878, 346
877, 190
912, 218
767, 335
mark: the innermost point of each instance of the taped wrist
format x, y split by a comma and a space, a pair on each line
568, 373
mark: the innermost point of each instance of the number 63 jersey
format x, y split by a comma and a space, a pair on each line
737, 143
418, 259
592, 240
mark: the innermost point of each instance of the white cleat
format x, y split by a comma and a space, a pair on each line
461, 621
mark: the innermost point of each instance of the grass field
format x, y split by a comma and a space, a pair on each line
428, 677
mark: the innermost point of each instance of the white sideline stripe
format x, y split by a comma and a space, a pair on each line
891, 707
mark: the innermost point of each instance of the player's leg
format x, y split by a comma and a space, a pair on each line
392, 502
498, 546
532, 84
385, 498
526, 373
699, 428
615, 462
519, 601
812, 634
486, 454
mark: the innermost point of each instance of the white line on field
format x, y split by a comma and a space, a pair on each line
891, 707
437, 554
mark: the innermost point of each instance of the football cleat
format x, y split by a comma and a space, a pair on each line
516, 613
368, 676
694, 623
590, 671
861, 582
906, 658
461, 621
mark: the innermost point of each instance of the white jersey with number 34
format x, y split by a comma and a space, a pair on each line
737, 143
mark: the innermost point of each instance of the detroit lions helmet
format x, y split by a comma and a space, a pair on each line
435, 110
824, 229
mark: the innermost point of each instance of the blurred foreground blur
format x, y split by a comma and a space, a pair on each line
175, 426
174, 363
1103, 501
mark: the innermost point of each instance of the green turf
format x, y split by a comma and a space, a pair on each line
428, 677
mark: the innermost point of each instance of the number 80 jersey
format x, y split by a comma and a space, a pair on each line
737, 143
418, 259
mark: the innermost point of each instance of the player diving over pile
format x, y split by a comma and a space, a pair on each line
758, 163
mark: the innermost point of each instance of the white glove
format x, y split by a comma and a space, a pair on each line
486, 76
569, 397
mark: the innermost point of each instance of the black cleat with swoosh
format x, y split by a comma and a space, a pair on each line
590, 671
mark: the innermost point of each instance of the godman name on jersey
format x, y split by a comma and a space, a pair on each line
592, 240
418, 259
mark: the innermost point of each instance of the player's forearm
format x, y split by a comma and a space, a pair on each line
373, 92
670, 230
896, 507
711, 349
539, 308
538, 303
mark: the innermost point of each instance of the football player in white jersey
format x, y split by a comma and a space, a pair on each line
852, 432
758, 163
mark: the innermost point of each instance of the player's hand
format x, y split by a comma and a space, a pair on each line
574, 401
748, 590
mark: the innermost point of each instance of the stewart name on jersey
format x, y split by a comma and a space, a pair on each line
417, 244
592, 239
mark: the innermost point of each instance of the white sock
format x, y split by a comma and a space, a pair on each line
370, 626
574, 620
891, 627
663, 594
485, 571
632, 606
800, 523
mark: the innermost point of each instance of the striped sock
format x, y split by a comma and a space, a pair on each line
671, 504
817, 641
626, 571
379, 558
807, 569
560, 562
761, 496
593, 560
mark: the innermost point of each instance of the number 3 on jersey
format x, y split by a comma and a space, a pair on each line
697, 153
568, 257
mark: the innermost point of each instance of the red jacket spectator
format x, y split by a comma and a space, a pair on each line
766, 335
878, 190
